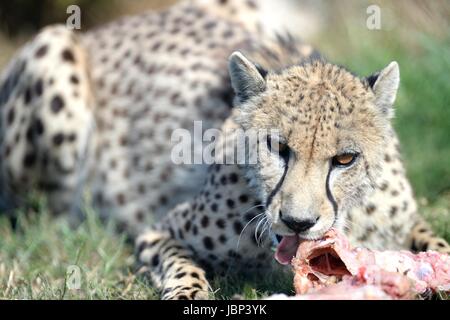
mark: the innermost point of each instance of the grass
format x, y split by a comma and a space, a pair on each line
35, 257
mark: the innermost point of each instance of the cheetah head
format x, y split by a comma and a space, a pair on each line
332, 128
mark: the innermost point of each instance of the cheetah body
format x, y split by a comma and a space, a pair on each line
96, 112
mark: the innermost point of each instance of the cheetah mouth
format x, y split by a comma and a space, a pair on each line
325, 259
286, 248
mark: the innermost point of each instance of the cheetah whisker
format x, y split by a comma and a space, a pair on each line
257, 228
346, 224
258, 205
245, 227
265, 228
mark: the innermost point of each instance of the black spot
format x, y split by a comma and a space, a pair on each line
57, 104
230, 203
39, 87
195, 275
68, 56
121, 199
163, 200
383, 186
29, 134
29, 160
234, 178
154, 242
193, 294
139, 215
210, 25
212, 257
58, 139
205, 221
208, 243
393, 211
223, 180
11, 116
249, 216
27, 96
155, 260
41, 51
156, 46
171, 47
441, 244
180, 275
187, 226
228, 34
370, 209
214, 207
74, 79
182, 297
237, 226
170, 265
142, 246
7, 151
220, 223
222, 238
243, 198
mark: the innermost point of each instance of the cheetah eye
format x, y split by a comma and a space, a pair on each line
278, 147
344, 160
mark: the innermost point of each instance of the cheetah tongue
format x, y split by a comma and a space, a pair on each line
287, 249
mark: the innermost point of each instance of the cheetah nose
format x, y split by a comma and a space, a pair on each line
298, 225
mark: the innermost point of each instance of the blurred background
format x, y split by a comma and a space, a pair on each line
415, 33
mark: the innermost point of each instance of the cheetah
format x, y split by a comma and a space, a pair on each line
94, 113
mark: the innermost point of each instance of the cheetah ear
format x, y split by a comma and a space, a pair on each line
385, 85
246, 79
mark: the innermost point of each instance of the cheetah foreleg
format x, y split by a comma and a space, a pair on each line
171, 267
423, 238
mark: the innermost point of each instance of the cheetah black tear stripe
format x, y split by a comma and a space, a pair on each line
278, 186
330, 196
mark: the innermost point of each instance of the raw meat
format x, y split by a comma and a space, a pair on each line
319, 265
